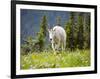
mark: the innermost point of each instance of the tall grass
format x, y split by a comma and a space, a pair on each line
47, 59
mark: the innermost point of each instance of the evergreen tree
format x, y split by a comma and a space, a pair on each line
75, 29
69, 27
43, 25
80, 36
86, 30
68, 31
42, 34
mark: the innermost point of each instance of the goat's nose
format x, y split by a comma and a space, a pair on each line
50, 39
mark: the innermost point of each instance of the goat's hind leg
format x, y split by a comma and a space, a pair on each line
63, 46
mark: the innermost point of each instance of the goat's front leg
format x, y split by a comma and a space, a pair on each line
53, 47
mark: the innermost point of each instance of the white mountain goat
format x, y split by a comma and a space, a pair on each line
57, 36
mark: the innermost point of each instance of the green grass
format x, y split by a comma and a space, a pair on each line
78, 58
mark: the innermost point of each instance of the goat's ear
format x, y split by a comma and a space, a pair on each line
48, 29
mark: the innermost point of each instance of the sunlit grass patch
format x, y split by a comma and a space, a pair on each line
78, 58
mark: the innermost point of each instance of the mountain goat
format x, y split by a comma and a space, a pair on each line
57, 37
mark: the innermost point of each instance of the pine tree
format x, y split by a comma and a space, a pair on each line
80, 36
43, 25
86, 30
68, 31
42, 34
69, 27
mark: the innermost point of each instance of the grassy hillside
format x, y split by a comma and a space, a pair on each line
78, 58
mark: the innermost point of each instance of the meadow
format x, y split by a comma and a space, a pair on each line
49, 59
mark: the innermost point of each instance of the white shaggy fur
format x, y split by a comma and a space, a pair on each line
57, 37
